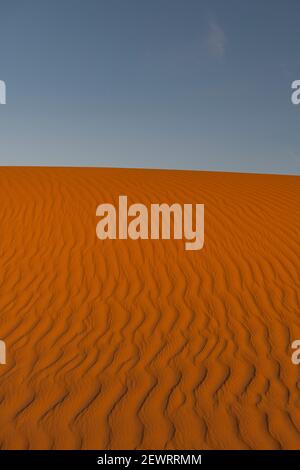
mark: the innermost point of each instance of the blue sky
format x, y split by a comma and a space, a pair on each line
185, 84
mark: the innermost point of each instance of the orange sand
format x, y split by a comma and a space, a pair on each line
141, 344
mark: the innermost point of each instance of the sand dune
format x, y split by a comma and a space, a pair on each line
141, 344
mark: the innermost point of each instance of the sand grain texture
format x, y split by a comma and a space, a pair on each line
141, 344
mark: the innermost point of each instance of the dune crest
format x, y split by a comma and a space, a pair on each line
139, 343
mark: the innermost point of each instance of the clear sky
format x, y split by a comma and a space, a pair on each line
190, 84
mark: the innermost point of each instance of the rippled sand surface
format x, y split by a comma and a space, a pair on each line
123, 344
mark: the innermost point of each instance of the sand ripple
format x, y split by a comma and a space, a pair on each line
129, 344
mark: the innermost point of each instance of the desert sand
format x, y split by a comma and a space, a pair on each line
123, 344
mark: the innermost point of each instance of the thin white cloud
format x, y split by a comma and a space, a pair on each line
215, 40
